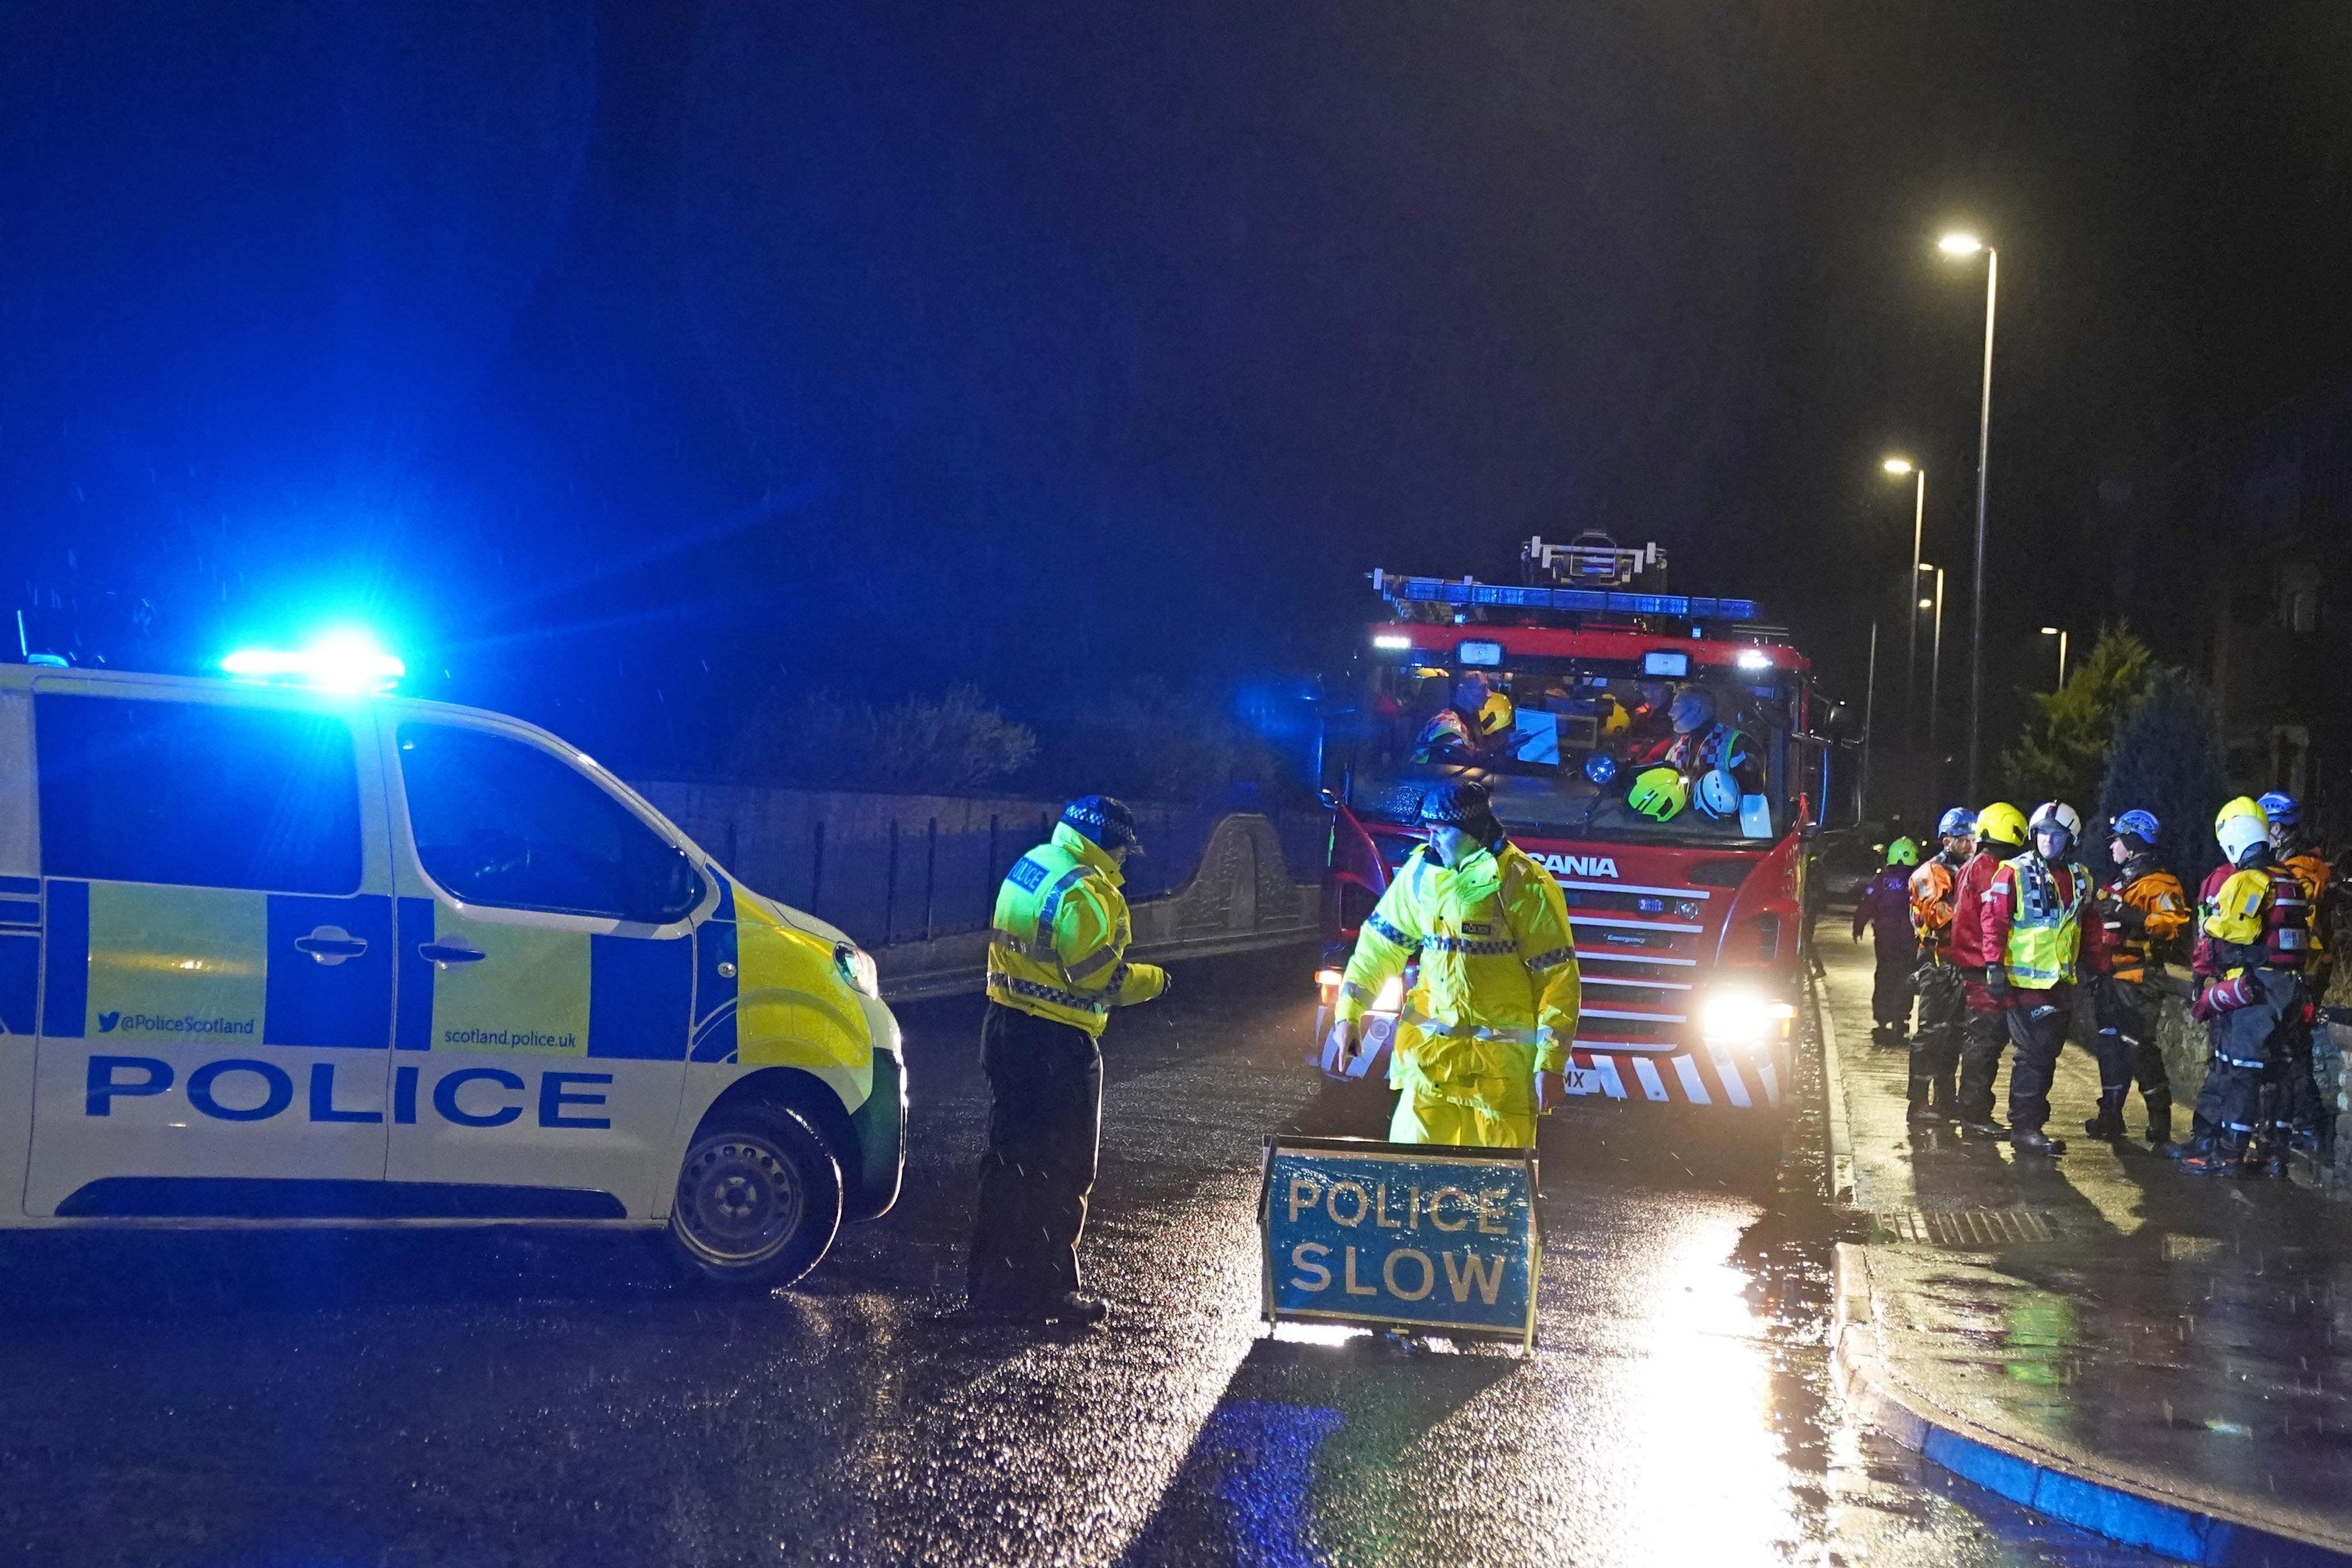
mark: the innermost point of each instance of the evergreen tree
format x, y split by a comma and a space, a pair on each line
2061, 753
2167, 759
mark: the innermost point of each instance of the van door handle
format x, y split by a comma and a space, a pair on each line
448, 953
330, 945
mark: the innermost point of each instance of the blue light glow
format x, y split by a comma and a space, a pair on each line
343, 660
1601, 767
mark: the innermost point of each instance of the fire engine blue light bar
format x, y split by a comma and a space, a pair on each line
1593, 601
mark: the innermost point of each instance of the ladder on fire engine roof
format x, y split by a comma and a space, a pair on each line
1591, 560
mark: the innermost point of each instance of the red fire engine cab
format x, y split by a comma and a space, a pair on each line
1652, 750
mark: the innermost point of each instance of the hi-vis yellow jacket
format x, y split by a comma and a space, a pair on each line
1059, 950
1497, 996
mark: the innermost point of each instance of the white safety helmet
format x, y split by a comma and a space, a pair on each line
2057, 814
2240, 834
1717, 795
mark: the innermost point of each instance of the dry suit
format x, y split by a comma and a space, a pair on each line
1495, 1003
1057, 967
1936, 1047
2144, 911
1884, 904
2038, 918
1984, 1022
2296, 1109
2250, 950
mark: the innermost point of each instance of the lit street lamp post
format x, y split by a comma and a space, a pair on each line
1935, 693
1899, 467
1958, 244
2061, 635
1869, 704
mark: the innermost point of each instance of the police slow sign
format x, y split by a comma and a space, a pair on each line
1438, 1238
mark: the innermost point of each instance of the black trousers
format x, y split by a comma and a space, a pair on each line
1936, 1049
2246, 1048
1890, 987
2038, 1022
1045, 1128
2128, 1049
2293, 1092
1984, 1034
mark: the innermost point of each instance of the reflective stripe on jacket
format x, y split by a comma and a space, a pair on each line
1062, 929
2144, 915
2035, 917
1498, 990
1886, 903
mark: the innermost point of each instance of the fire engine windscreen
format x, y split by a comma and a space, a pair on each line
1576, 748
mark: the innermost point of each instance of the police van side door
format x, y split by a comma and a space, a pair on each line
546, 935
217, 987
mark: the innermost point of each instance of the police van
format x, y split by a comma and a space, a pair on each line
272, 954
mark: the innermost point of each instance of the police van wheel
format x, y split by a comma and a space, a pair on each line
759, 1199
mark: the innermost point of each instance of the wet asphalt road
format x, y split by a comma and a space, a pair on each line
436, 1397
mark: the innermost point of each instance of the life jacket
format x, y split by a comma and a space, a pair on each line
2311, 876
2249, 923
2163, 906
1932, 886
2045, 929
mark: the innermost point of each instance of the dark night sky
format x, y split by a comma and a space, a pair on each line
877, 345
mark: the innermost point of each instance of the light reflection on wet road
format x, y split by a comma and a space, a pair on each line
431, 1398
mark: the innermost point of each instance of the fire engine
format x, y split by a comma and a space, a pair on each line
1654, 751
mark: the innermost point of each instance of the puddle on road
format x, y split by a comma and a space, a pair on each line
1859, 1495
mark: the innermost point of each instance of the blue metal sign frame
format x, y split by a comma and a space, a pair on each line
1427, 1237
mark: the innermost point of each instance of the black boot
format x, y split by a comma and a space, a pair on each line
2034, 1141
2109, 1122
2160, 1131
1918, 1113
1946, 1098
2212, 1154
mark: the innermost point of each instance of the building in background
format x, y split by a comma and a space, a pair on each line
2236, 563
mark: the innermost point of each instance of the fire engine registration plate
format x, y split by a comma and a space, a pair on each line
1582, 1081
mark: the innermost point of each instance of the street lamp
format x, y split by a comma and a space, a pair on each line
2061, 636
1899, 467
1959, 246
1935, 690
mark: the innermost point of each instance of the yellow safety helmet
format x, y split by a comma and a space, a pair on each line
2003, 823
1661, 793
2244, 805
1496, 716
1614, 719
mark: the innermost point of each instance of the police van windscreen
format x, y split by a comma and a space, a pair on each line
1585, 749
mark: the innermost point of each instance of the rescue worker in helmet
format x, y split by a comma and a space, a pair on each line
2145, 910
1935, 1047
1704, 744
1057, 965
1984, 1021
1486, 1030
1886, 903
2043, 936
2296, 1101
2248, 963
1474, 723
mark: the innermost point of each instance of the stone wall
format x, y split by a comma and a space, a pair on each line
914, 877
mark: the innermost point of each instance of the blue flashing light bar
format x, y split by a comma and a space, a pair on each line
1588, 601
343, 661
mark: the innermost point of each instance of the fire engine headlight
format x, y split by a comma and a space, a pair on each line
1745, 1017
858, 971
1391, 997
